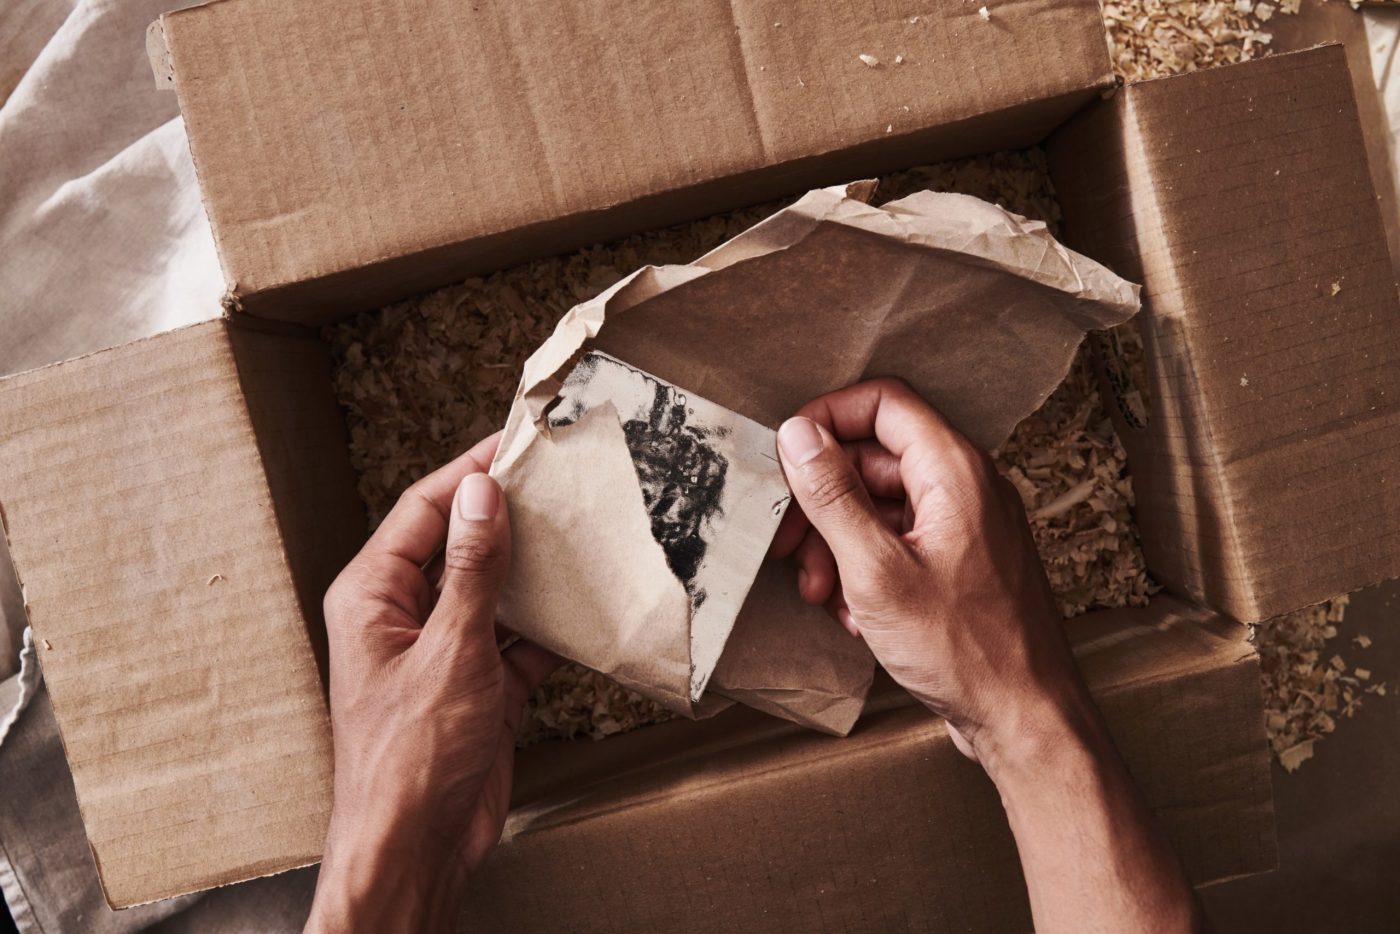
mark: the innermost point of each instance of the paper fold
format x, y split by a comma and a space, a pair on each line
979, 309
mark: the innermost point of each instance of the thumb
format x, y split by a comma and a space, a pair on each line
475, 561
830, 492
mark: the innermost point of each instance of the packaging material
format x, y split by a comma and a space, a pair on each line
218, 449
1263, 469
537, 128
738, 822
950, 290
641, 514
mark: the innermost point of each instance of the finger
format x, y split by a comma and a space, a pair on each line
433, 572
531, 663
792, 528
816, 569
888, 410
885, 409
475, 564
892, 513
879, 471
878, 468
416, 526
838, 608
527, 665
825, 484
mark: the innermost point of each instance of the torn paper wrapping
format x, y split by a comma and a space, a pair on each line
979, 309
654, 508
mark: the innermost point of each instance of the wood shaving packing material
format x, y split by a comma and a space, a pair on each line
1154, 38
424, 379
1306, 686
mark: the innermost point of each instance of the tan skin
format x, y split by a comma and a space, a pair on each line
904, 531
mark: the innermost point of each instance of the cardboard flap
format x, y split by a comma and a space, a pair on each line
772, 816
353, 153
1240, 198
141, 523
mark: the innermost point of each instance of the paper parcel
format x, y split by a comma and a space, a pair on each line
616, 470
175, 507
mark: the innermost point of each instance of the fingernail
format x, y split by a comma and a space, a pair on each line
477, 498
800, 440
843, 615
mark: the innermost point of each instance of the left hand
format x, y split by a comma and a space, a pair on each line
424, 708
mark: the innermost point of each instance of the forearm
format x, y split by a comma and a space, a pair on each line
1093, 856
375, 881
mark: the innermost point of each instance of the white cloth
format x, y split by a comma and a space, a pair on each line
1383, 39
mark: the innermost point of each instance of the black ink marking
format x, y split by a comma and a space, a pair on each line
680, 473
682, 479
581, 375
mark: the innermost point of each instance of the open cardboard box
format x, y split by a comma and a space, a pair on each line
176, 506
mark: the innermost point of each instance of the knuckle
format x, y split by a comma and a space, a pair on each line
829, 485
893, 385
335, 603
473, 556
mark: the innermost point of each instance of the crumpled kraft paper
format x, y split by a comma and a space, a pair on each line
980, 310
648, 508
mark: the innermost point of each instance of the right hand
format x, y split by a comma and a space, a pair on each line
908, 535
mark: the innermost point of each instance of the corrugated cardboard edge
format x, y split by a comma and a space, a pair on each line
159, 55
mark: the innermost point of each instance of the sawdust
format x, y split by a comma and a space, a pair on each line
424, 379
1307, 686
1155, 38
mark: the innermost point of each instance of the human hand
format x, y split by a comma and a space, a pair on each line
424, 708
912, 540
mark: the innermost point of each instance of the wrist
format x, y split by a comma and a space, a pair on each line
383, 874
1049, 727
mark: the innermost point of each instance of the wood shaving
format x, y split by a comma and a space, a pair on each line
1155, 38
424, 379
1294, 756
1306, 684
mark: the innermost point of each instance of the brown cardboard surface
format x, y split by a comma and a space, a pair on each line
1320, 21
1265, 475
141, 524
419, 142
744, 823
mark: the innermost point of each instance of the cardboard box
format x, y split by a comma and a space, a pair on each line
176, 506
